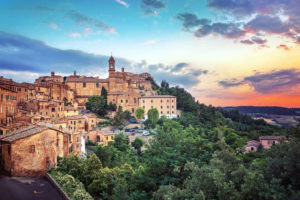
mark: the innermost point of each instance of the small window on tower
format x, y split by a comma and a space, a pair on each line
97, 85
84, 84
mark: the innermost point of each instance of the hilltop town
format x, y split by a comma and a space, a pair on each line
47, 119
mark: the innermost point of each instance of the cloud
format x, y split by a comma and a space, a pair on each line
188, 77
255, 40
85, 21
123, 3
32, 58
270, 16
52, 25
20, 53
276, 81
75, 35
268, 24
284, 47
191, 20
151, 7
248, 42
227, 30
148, 42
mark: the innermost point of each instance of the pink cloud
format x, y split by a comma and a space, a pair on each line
283, 46
52, 25
123, 3
75, 34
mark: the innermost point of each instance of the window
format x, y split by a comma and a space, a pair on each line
97, 85
121, 100
84, 84
1, 132
172, 101
8, 149
74, 122
167, 101
132, 110
161, 107
6, 97
172, 106
71, 149
52, 115
53, 109
161, 112
77, 139
143, 101
134, 100
79, 122
98, 138
1, 97
172, 112
168, 112
151, 101
32, 149
168, 107
126, 100
71, 122
252, 149
161, 101
106, 137
70, 138
57, 115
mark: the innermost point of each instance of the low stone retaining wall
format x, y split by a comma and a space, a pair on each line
57, 187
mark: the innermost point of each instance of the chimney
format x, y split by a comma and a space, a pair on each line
52, 73
122, 69
75, 73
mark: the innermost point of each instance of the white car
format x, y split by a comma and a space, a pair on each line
146, 133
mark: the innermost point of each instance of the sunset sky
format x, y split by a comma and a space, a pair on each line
225, 52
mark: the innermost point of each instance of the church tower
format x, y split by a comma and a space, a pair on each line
111, 69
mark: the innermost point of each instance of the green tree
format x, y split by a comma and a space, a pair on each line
119, 117
126, 115
96, 104
153, 115
137, 144
104, 93
140, 113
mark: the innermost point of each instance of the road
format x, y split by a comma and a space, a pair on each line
20, 188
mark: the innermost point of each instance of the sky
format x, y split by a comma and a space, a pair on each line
225, 52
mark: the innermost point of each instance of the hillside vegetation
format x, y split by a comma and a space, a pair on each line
198, 156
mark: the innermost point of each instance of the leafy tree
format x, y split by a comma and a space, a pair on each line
104, 93
119, 117
153, 115
140, 113
97, 104
137, 144
126, 115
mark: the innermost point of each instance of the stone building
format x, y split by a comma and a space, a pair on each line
32, 150
101, 137
8, 105
165, 104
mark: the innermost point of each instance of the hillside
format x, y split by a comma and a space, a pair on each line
271, 110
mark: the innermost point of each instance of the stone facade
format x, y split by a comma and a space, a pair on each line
33, 150
165, 104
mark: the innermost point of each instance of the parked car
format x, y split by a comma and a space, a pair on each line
133, 120
133, 133
127, 130
146, 133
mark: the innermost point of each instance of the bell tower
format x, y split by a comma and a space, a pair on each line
111, 64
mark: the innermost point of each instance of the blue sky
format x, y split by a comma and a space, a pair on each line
210, 47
